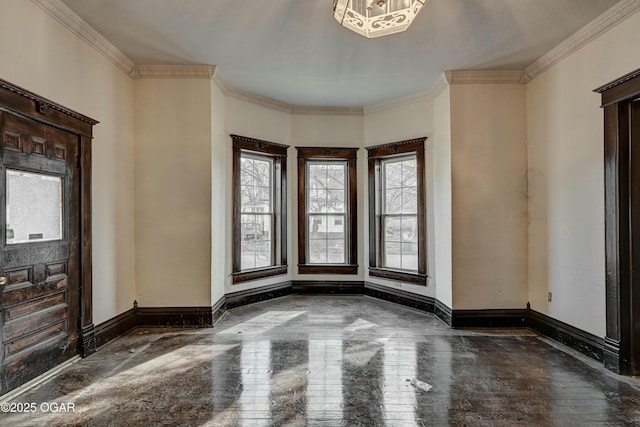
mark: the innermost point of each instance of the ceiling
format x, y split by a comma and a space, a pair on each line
295, 52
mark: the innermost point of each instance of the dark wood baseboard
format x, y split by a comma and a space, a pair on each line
443, 312
493, 318
115, 327
399, 296
217, 310
263, 293
327, 287
579, 340
198, 317
611, 356
606, 351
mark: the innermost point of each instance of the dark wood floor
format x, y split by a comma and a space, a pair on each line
332, 360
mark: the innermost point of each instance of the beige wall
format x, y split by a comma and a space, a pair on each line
489, 196
220, 245
173, 192
396, 123
314, 130
44, 57
566, 179
256, 121
439, 164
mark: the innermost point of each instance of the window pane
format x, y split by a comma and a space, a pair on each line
392, 255
392, 229
263, 253
317, 176
317, 200
409, 200
393, 201
326, 194
335, 201
392, 174
247, 254
318, 251
410, 256
409, 229
34, 207
335, 249
409, 176
317, 227
335, 176
255, 185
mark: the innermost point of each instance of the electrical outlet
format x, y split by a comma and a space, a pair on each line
549, 295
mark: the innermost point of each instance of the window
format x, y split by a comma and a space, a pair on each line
259, 209
327, 209
397, 220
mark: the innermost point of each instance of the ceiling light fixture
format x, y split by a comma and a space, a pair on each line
376, 18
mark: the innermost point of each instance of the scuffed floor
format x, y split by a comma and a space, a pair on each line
331, 361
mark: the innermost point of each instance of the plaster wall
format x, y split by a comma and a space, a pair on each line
566, 178
318, 130
397, 123
220, 245
489, 196
255, 121
173, 192
42, 56
440, 167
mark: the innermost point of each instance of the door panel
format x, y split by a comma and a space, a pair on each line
39, 304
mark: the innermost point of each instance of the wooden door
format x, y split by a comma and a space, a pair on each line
41, 251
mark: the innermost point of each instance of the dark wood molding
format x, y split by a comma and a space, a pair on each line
327, 269
218, 309
399, 296
263, 293
396, 148
278, 154
327, 152
259, 145
443, 312
115, 327
401, 276
620, 89
349, 154
245, 276
588, 344
26, 104
622, 222
582, 341
376, 156
199, 317
489, 318
327, 287
44, 110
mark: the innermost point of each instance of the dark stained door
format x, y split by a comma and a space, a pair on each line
40, 259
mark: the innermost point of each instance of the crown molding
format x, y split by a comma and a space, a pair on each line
415, 98
609, 19
327, 111
78, 26
484, 77
197, 71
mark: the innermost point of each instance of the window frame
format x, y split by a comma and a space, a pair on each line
347, 155
277, 154
376, 155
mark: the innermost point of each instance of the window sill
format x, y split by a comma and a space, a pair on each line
245, 276
402, 276
327, 269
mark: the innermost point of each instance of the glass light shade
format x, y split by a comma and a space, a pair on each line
376, 18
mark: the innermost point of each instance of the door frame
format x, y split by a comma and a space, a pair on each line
19, 101
622, 234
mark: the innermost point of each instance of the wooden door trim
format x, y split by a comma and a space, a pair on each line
622, 342
22, 102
